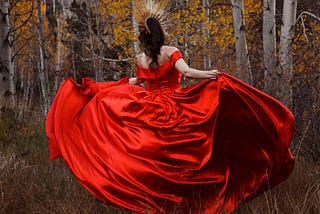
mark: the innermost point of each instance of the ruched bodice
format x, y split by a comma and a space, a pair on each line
165, 78
168, 83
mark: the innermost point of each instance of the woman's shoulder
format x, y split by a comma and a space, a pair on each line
139, 55
141, 60
168, 50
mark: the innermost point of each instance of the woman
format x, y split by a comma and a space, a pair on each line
161, 147
155, 53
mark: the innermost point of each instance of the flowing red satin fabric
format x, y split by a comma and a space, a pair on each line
146, 149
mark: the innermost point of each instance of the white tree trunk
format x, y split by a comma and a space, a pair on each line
91, 38
99, 43
73, 61
285, 51
43, 77
59, 18
186, 45
136, 29
54, 6
269, 47
6, 68
26, 78
135, 44
206, 43
243, 63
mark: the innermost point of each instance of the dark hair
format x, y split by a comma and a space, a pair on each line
151, 41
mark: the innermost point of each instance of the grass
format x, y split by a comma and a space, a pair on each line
31, 183
297, 195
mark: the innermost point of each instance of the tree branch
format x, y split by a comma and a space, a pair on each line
307, 13
103, 58
304, 29
302, 21
110, 60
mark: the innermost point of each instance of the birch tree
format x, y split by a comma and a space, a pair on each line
98, 17
285, 51
59, 59
89, 23
206, 43
6, 69
43, 75
269, 47
243, 64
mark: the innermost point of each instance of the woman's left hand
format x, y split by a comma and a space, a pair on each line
133, 81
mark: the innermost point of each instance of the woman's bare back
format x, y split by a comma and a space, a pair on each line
143, 60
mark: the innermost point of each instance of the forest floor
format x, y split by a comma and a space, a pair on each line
31, 183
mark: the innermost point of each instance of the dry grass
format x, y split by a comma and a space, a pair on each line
30, 183
299, 194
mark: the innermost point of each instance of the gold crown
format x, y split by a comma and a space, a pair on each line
144, 9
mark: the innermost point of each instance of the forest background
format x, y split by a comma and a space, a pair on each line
270, 44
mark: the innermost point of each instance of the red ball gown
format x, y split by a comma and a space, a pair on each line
150, 149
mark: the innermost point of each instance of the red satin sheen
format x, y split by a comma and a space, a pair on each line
140, 148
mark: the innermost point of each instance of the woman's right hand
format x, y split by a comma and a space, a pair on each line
214, 74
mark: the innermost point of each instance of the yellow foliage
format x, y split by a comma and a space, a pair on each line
24, 17
123, 34
43, 7
23, 11
305, 46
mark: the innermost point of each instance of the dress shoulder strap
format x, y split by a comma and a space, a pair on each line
175, 56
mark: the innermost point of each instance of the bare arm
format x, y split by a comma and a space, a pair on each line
182, 66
